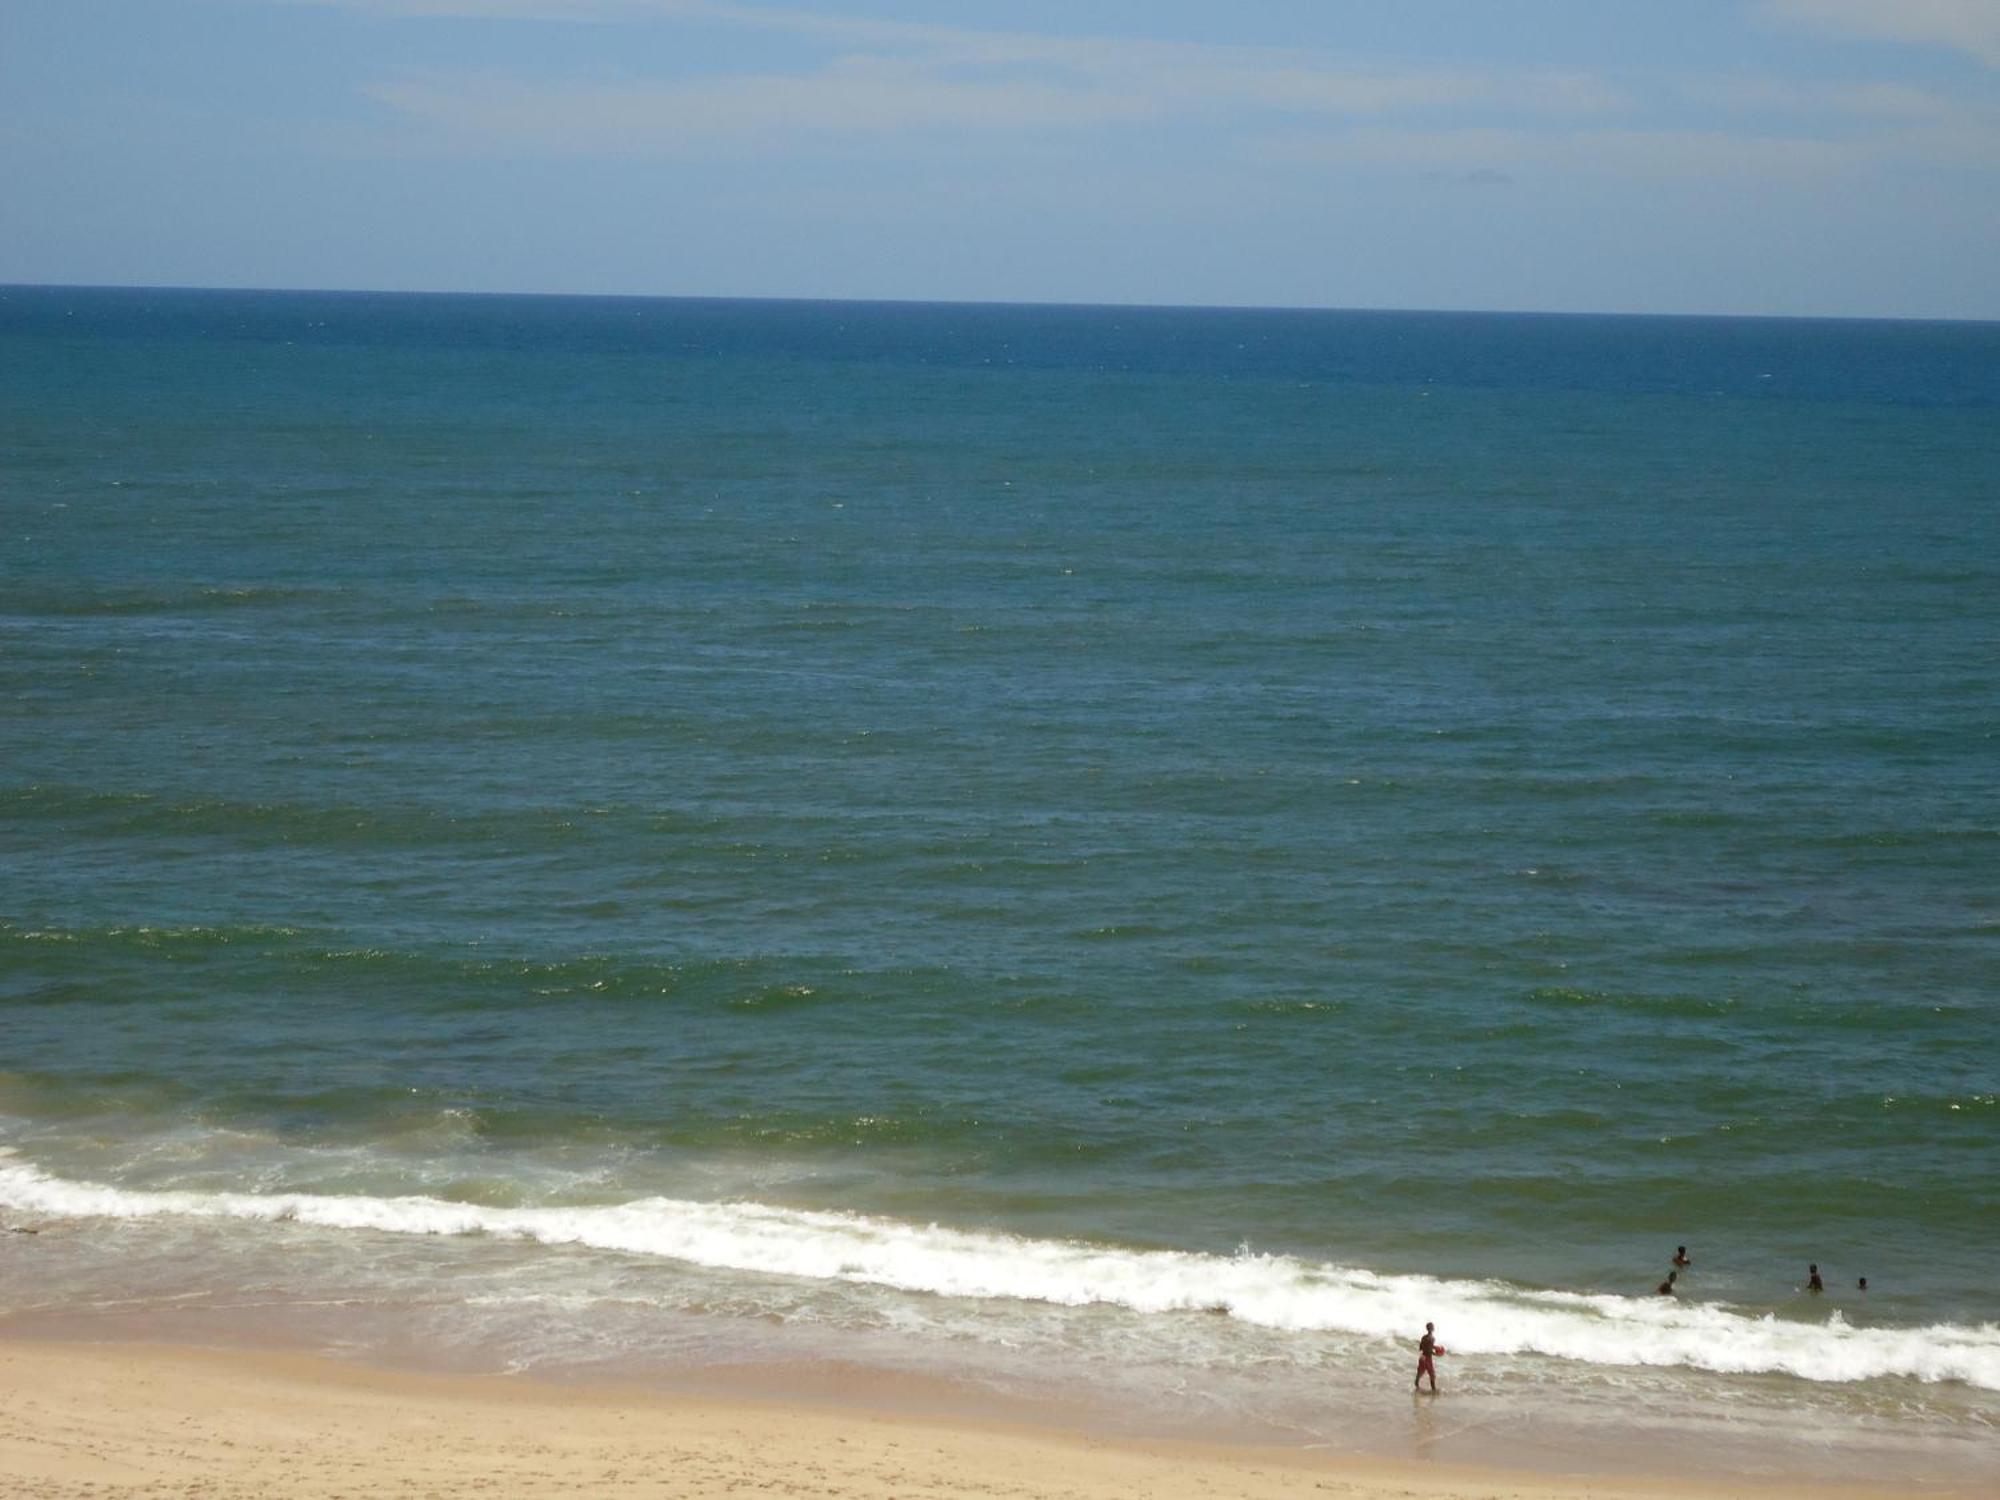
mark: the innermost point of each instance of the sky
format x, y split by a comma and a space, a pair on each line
1796, 157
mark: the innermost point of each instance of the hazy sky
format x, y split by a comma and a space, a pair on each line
1782, 156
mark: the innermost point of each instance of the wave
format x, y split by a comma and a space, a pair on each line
1277, 1292
445, 981
1557, 997
175, 598
288, 823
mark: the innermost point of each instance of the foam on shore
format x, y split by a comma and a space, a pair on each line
1273, 1291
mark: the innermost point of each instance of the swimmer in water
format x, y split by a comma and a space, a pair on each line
1813, 1283
1681, 1257
1666, 1288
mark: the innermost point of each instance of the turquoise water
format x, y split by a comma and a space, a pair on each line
947, 831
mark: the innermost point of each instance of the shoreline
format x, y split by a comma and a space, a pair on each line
139, 1419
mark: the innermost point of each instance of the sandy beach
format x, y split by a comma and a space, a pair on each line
143, 1420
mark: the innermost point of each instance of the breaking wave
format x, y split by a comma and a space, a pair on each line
1278, 1292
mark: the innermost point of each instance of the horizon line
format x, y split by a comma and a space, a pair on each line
975, 302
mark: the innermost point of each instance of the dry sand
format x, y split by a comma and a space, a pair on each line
143, 1420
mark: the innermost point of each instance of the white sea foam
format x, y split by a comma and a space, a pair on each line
1272, 1291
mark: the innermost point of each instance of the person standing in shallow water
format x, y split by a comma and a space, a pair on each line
1813, 1283
1427, 1350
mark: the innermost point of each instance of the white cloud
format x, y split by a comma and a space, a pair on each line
875, 93
1861, 101
871, 80
507, 10
857, 96
884, 75
1546, 155
1968, 26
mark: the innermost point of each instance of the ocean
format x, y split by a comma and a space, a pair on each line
1118, 857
